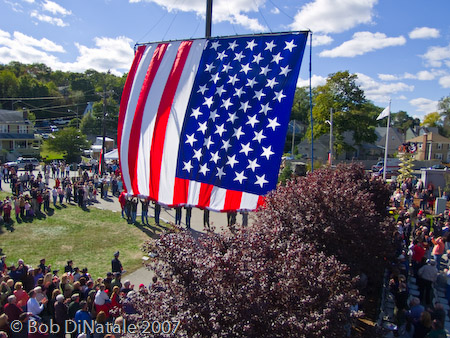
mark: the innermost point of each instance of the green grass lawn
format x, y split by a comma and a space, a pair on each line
89, 238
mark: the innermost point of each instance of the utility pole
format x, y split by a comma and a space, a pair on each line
102, 159
331, 136
209, 4
293, 139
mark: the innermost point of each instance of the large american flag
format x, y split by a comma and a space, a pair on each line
203, 122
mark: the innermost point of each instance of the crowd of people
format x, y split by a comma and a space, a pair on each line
32, 195
420, 241
40, 295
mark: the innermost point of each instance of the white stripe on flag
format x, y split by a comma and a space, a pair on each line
131, 107
149, 118
217, 201
194, 192
249, 201
175, 123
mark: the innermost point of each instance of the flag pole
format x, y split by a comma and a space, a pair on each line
209, 4
387, 141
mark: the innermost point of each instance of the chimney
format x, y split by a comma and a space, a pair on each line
424, 147
25, 114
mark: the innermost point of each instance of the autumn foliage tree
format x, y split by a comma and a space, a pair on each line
284, 276
341, 211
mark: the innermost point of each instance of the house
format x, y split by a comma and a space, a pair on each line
16, 136
96, 148
432, 146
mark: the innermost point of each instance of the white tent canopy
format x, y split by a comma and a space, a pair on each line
112, 155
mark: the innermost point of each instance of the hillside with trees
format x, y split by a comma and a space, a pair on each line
54, 95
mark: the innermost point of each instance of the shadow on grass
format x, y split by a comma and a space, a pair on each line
50, 212
149, 230
107, 199
41, 215
85, 209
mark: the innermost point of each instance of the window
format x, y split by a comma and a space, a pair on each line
21, 144
3, 128
438, 156
439, 146
23, 129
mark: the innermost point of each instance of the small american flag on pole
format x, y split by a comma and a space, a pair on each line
203, 122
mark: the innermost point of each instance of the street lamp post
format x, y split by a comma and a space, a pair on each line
330, 122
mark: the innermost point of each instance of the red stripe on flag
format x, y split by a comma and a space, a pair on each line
124, 101
139, 113
261, 202
162, 117
232, 200
205, 195
180, 191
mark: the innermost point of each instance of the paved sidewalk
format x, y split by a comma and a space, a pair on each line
142, 275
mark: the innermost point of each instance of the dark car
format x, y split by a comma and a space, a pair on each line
84, 166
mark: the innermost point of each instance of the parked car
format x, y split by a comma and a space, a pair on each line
26, 163
85, 166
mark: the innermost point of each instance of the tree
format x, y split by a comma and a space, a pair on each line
352, 112
403, 121
284, 276
444, 109
69, 141
247, 285
341, 211
432, 120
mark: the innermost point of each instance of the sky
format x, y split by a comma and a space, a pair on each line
399, 49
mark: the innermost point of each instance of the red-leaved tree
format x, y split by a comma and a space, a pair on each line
287, 275
248, 285
342, 211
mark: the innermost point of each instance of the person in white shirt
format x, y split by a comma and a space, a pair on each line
33, 305
101, 297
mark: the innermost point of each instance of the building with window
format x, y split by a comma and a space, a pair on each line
432, 146
16, 136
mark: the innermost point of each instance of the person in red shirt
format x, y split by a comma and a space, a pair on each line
418, 252
7, 212
123, 202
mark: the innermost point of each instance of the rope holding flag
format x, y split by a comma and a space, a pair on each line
203, 122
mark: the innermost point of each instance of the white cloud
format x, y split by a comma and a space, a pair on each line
46, 18
424, 33
436, 56
423, 75
333, 16
378, 91
445, 81
29, 1
115, 54
401, 97
227, 10
388, 77
55, 8
319, 40
363, 42
424, 105
316, 80
44, 44
15, 6
275, 11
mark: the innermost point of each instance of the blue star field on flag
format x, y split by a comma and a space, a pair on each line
238, 113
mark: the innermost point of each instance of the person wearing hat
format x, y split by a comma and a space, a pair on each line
116, 281
44, 267
69, 266
3, 266
428, 275
116, 265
